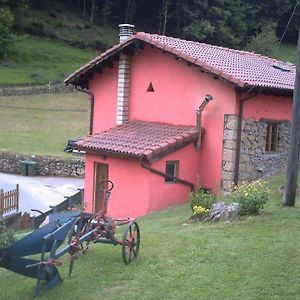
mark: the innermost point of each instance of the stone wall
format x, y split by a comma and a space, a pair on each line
45, 166
33, 90
255, 162
229, 151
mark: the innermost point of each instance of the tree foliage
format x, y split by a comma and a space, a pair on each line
223, 22
265, 41
6, 35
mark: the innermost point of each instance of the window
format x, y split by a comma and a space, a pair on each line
272, 137
171, 170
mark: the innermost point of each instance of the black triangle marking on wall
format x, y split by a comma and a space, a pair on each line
150, 88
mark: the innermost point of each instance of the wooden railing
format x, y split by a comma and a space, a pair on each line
9, 201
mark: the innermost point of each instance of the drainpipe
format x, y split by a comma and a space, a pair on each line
199, 118
239, 134
92, 99
162, 174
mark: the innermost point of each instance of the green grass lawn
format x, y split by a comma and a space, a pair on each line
252, 258
42, 124
39, 60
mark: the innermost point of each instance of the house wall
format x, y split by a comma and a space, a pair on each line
130, 196
104, 86
268, 107
142, 192
179, 89
254, 161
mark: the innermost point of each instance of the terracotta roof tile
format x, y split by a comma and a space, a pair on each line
239, 67
143, 140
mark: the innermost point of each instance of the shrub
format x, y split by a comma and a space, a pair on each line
52, 15
59, 24
36, 26
264, 42
201, 200
6, 236
251, 197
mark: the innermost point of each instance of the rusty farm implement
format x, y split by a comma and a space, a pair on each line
69, 232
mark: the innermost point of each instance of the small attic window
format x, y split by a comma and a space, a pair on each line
150, 88
282, 68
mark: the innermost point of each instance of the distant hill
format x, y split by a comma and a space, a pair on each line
53, 41
34, 60
59, 23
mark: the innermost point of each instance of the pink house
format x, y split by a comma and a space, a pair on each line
166, 111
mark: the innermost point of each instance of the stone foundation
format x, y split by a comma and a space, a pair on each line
255, 162
45, 166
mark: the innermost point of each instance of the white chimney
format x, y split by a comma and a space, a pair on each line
126, 30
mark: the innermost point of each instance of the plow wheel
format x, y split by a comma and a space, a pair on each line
131, 243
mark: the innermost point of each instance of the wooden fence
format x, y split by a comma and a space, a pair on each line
9, 201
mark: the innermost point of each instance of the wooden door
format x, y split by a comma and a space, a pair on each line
101, 173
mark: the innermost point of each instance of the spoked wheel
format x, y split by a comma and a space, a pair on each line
131, 243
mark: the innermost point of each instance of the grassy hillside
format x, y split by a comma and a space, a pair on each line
38, 60
44, 122
287, 52
253, 258
69, 27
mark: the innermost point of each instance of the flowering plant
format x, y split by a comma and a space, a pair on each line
251, 197
201, 199
199, 210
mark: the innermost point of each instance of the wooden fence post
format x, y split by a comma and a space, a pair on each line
17, 196
1, 203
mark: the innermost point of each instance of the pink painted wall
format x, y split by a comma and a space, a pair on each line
179, 89
268, 107
142, 192
104, 87
130, 196
164, 194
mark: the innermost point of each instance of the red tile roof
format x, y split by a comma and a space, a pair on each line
239, 67
143, 140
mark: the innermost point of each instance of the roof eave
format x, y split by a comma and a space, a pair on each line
248, 88
74, 78
145, 157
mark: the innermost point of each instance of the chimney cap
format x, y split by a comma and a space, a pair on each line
126, 25
126, 30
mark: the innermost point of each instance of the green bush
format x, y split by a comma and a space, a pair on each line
36, 26
251, 197
59, 24
201, 200
6, 236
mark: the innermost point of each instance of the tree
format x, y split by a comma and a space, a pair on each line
6, 35
216, 21
265, 41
